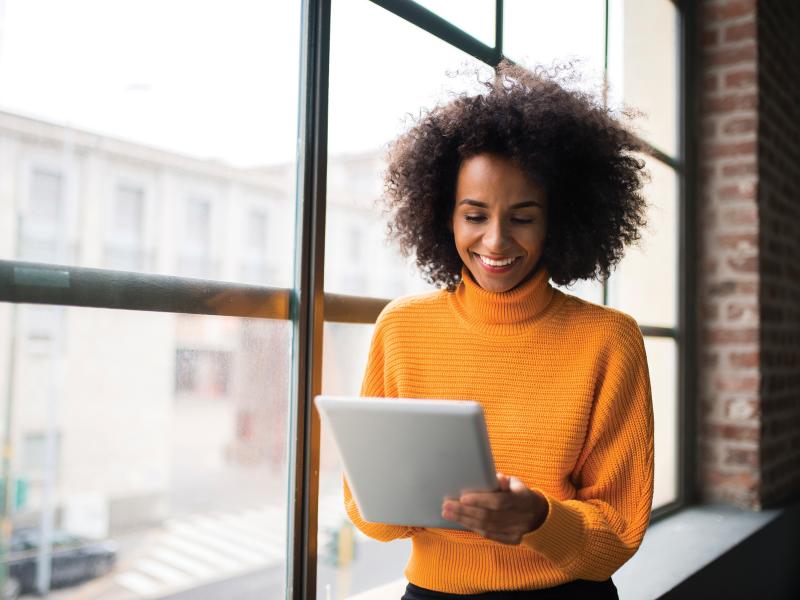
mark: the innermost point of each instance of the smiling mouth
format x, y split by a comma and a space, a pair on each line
496, 264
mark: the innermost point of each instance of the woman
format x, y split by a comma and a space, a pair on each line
495, 195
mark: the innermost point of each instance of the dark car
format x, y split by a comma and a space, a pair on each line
75, 558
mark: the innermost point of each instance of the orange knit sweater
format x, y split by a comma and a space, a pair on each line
565, 390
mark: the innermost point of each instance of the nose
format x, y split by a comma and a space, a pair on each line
495, 237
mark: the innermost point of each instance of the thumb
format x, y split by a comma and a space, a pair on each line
515, 485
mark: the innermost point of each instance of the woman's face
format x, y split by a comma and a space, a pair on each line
499, 221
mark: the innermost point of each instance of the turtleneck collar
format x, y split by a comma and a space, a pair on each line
501, 312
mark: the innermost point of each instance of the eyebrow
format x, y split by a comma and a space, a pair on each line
480, 204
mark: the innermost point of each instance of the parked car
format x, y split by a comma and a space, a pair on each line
75, 558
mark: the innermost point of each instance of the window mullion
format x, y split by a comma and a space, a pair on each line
308, 302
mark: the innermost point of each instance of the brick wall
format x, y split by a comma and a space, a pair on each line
729, 468
779, 246
748, 226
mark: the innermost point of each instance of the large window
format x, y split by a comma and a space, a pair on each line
190, 251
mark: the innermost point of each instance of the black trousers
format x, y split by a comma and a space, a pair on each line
573, 590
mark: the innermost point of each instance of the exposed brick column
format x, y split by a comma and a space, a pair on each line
749, 240
779, 247
729, 468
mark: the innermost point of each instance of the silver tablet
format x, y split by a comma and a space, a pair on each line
403, 457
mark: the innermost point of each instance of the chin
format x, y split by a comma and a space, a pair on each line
497, 286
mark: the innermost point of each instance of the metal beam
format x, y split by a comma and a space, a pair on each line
38, 283
441, 28
308, 304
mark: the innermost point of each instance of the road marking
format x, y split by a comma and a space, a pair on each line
138, 583
183, 562
196, 549
216, 559
211, 541
161, 571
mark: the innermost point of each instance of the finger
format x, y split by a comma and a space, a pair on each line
479, 526
503, 482
503, 536
486, 520
474, 512
490, 500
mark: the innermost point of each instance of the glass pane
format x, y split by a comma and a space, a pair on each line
156, 441
348, 561
662, 356
539, 33
591, 291
645, 283
643, 66
405, 75
476, 17
144, 140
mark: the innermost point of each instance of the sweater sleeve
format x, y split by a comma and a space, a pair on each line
374, 385
592, 535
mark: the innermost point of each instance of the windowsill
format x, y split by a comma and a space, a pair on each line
675, 548
679, 545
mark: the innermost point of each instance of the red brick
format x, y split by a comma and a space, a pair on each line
744, 360
731, 56
731, 149
737, 384
738, 192
731, 288
747, 215
733, 433
711, 83
748, 480
728, 10
709, 129
742, 168
737, 241
710, 312
741, 78
709, 37
737, 311
743, 31
739, 126
730, 103
745, 264
742, 456
722, 335
710, 359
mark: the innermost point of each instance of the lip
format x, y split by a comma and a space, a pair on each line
492, 269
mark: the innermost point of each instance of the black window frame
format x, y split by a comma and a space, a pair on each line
308, 306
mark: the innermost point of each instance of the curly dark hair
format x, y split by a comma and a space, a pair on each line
563, 139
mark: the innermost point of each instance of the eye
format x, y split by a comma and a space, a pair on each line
522, 220
474, 218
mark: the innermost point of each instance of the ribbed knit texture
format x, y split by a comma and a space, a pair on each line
566, 394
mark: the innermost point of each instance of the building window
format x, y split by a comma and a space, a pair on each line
125, 244
259, 249
42, 224
198, 223
195, 259
257, 228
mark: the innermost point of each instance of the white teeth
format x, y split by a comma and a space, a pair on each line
496, 263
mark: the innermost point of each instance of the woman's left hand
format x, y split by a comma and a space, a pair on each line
504, 515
